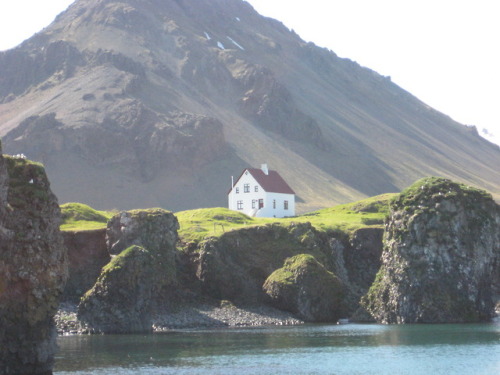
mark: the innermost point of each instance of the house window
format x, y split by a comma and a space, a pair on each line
256, 188
237, 190
239, 205
274, 203
253, 203
261, 203
285, 204
246, 188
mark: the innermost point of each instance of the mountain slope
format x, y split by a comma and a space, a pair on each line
157, 103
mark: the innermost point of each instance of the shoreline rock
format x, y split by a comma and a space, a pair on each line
33, 267
441, 248
189, 316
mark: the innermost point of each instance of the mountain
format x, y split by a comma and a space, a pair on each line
150, 103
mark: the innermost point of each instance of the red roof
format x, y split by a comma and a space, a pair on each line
271, 183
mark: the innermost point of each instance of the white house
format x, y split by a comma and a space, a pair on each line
261, 193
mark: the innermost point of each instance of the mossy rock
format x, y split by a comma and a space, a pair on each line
306, 288
154, 229
441, 244
121, 301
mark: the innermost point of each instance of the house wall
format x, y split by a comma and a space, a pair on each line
249, 201
278, 210
245, 198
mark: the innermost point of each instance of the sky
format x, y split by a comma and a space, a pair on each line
445, 52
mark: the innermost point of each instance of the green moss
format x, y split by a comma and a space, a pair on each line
299, 261
282, 276
287, 275
28, 183
120, 260
78, 216
438, 189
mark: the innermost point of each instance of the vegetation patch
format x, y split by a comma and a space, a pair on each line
28, 183
78, 216
437, 189
196, 225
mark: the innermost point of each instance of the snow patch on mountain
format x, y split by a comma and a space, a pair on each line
235, 43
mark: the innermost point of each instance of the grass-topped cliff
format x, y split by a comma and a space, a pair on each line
195, 225
371, 212
78, 216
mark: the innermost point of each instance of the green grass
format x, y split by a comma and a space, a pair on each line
434, 187
195, 225
78, 216
370, 212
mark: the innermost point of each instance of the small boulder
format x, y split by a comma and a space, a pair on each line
304, 287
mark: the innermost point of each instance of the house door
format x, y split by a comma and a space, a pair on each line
261, 203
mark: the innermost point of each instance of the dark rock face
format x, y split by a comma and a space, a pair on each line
362, 257
355, 259
304, 287
271, 106
440, 248
131, 137
59, 58
154, 229
33, 268
235, 265
87, 254
142, 244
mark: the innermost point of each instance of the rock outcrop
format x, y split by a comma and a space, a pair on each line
87, 255
33, 267
235, 265
441, 244
304, 287
142, 245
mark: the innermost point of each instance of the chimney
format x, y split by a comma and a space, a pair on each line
264, 169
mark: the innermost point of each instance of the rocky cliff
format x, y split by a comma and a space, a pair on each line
87, 254
33, 267
235, 266
441, 247
141, 272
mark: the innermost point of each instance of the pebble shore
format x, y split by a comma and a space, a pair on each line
190, 317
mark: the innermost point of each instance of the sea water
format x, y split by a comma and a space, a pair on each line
352, 349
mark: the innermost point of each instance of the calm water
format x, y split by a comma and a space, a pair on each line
310, 349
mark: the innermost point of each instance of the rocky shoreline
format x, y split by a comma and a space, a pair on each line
196, 316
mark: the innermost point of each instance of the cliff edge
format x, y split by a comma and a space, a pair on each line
33, 267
